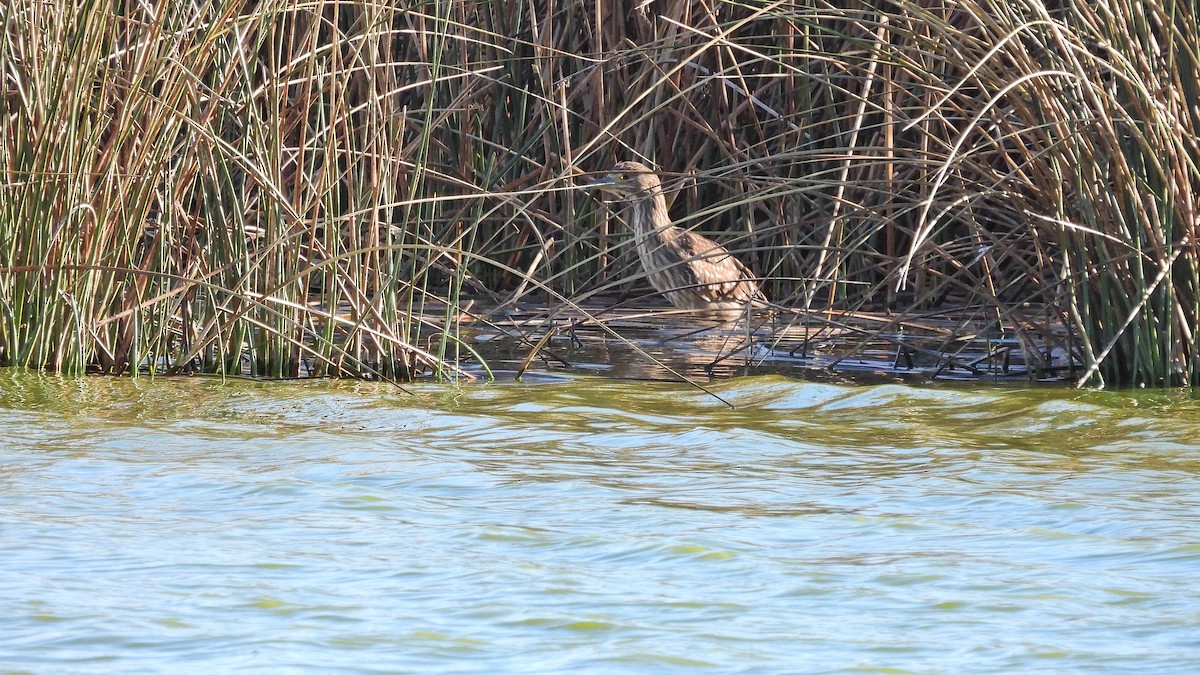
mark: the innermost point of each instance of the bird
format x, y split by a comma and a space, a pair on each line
692, 271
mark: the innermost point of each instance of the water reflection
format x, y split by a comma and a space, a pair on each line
665, 344
595, 525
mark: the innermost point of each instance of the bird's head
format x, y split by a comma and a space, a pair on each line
628, 178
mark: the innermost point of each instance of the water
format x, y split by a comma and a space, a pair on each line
588, 525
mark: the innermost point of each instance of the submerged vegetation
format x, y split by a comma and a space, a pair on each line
324, 188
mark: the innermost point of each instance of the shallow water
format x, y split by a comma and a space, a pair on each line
595, 525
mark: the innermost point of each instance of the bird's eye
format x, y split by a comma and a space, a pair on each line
624, 176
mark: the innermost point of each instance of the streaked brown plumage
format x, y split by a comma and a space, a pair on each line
693, 271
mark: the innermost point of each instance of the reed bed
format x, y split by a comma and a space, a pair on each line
283, 189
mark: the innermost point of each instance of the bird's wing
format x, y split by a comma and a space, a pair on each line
717, 268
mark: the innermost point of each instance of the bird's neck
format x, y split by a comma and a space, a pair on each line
649, 216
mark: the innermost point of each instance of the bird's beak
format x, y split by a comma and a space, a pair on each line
599, 182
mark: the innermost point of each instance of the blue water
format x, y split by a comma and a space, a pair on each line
595, 526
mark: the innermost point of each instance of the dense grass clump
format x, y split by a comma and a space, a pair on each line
289, 189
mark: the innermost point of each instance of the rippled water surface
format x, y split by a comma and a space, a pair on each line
593, 525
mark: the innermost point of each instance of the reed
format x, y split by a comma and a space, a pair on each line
256, 186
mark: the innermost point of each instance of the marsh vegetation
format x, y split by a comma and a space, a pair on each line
332, 188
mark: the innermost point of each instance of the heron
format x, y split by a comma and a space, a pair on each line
692, 271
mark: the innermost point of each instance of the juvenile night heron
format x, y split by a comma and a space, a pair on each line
694, 272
